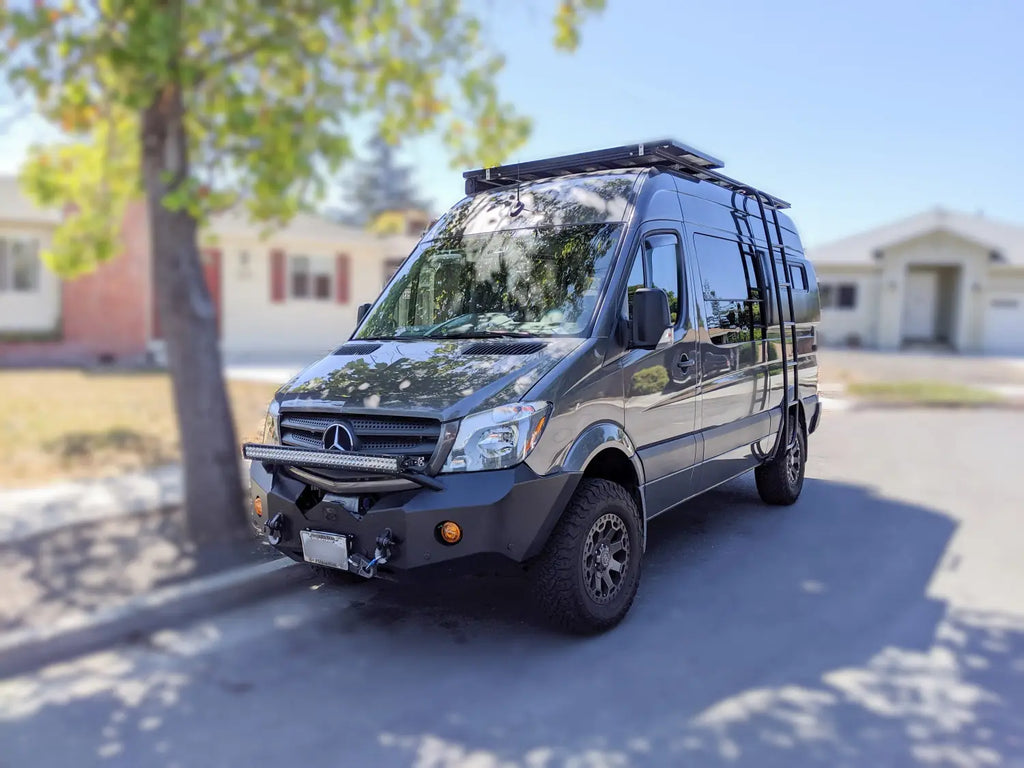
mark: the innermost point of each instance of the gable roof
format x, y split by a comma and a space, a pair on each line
1002, 237
15, 205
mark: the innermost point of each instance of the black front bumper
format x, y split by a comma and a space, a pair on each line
508, 512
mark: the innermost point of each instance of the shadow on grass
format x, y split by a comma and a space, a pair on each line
88, 447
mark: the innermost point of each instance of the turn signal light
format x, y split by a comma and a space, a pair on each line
450, 532
257, 506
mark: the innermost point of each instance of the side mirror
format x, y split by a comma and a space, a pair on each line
651, 317
361, 312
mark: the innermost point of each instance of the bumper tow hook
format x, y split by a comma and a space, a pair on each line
274, 528
382, 552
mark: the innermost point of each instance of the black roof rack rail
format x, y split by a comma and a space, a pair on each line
665, 154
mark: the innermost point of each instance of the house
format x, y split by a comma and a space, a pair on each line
294, 291
940, 279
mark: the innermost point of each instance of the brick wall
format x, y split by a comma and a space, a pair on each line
105, 314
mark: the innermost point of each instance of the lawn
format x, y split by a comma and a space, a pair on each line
921, 393
68, 424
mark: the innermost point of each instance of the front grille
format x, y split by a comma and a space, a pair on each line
388, 435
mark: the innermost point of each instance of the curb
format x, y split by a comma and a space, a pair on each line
861, 404
32, 647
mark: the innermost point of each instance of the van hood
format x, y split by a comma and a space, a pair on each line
424, 377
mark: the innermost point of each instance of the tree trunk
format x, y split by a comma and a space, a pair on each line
214, 502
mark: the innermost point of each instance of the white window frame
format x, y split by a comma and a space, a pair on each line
25, 247
315, 267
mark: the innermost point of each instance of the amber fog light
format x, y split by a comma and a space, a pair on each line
450, 532
257, 506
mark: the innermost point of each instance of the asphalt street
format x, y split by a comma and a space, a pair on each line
877, 622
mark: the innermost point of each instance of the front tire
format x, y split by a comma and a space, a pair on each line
587, 576
780, 480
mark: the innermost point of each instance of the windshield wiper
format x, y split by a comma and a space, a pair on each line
482, 335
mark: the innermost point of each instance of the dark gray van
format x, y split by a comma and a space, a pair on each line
579, 345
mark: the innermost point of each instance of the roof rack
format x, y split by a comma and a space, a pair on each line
666, 154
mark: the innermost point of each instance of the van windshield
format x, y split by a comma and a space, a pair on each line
542, 281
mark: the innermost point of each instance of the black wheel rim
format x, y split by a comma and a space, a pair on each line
606, 552
794, 461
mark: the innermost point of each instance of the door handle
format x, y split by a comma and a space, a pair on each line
684, 361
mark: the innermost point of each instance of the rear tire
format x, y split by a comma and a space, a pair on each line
587, 576
780, 480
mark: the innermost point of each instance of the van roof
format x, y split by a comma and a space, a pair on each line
664, 154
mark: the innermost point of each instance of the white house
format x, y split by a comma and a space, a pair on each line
294, 291
941, 279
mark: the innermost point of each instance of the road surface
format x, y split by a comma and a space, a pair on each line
879, 622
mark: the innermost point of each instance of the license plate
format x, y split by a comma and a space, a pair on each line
328, 549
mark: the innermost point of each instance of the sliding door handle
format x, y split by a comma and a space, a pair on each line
684, 361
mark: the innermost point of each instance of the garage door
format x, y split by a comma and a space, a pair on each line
1004, 324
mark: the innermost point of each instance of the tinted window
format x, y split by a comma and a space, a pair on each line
542, 282
732, 287
799, 277
847, 296
633, 282
825, 294
662, 254
722, 271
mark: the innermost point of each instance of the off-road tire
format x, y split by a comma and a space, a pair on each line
558, 573
780, 480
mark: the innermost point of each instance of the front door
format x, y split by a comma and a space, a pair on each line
920, 305
661, 384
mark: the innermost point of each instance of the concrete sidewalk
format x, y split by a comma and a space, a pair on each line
30, 512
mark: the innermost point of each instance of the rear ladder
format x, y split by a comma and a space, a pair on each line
785, 325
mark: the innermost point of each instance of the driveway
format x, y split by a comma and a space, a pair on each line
877, 622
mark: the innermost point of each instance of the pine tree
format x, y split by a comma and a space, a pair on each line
380, 183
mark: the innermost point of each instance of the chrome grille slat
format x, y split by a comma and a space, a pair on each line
414, 437
366, 426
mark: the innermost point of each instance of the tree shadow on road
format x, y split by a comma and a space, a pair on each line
761, 636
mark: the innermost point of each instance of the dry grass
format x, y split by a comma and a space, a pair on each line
66, 424
922, 393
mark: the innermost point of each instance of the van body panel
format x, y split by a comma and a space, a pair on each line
420, 377
660, 385
695, 411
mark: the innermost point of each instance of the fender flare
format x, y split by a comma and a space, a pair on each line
596, 438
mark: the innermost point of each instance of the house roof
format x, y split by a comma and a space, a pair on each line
15, 205
1002, 237
303, 226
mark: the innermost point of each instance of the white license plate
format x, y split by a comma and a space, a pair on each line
329, 549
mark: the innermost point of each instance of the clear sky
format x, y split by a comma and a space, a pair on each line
858, 113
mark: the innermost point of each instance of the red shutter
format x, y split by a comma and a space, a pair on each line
277, 269
341, 274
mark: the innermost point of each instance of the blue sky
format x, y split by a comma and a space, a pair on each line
857, 113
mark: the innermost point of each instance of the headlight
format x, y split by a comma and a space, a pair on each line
271, 434
496, 439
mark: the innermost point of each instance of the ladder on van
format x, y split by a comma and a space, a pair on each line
670, 155
782, 284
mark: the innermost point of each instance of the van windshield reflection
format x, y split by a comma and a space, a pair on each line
520, 282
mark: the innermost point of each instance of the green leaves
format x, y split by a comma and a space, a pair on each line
270, 90
91, 183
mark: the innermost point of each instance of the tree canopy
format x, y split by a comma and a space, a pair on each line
269, 95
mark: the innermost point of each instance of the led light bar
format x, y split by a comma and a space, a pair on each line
302, 457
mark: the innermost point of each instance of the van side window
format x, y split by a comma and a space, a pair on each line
633, 282
662, 256
798, 277
656, 265
733, 290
